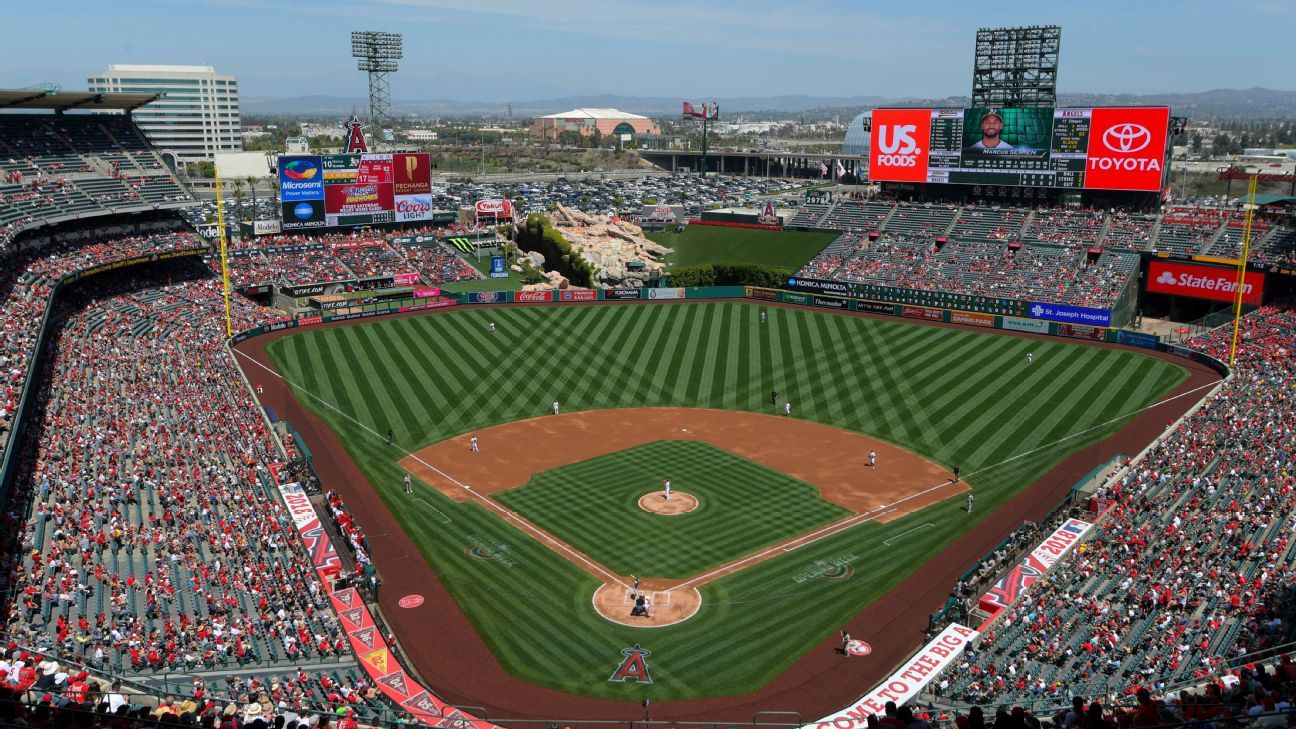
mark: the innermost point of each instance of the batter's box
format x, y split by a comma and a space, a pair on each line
659, 598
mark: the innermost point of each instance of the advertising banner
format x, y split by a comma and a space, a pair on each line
1126, 148
900, 140
315, 289
487, 297
341, 169
497, 267
358, 199
406, 279
831, 302
756, 292
413, 207
265, 227
875, 307
302, 215
300, 178
796, 298
1203, 282
1034, 566
836, 288
1018, 324
922, 312
577, 295
621, 294
1082, 331
413, 174
907, 681
497, 208
1072, 314
1138, 339
665, 293
972, 318
532, 297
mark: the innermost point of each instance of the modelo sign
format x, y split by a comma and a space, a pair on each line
1203, 282
496, 208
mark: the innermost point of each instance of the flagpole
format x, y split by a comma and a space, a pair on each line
1242, 266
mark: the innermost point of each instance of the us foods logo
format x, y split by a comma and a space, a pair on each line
1126, 138
897, 145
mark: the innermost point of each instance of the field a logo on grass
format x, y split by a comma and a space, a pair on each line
835, 569
634, 666
486, 550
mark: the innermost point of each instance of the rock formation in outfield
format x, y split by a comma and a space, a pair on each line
609, 245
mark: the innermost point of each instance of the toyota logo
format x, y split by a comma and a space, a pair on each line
1127, 138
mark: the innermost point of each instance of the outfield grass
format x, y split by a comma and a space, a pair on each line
711, 244
953, 396
512, 283
742, 506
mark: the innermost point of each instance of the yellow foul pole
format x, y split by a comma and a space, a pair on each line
1242, 266
224, 251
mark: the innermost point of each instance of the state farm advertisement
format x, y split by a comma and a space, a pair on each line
899, 142
375, 169
1126, 148
1203, 282
358, 198
413, 174
413, 207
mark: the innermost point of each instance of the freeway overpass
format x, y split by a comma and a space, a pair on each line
755, 163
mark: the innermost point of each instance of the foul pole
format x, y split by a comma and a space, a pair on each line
224, 251
1242, 266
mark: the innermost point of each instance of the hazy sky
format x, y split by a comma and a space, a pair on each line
515, 50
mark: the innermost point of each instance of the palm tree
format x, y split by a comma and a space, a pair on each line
238, 198
252, 183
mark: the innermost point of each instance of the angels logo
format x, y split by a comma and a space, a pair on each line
634, 667
858, 648
355, 139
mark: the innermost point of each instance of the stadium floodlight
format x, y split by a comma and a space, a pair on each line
1016, 67
377, 54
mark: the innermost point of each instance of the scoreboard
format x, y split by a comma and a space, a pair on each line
1110, 148
327, 191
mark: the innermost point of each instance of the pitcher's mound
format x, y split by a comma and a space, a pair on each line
614, 602
657, 503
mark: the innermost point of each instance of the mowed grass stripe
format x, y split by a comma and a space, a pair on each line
853, 386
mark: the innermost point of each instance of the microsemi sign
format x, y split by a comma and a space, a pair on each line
1203, 282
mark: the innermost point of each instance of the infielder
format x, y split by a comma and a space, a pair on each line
872, 459
555, 407
409, 484
666, 487
472, 444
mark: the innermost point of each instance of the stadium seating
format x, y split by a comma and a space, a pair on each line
73, 166
1191, 566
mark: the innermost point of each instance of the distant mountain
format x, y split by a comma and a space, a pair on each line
1230, 103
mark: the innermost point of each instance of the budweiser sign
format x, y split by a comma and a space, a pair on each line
1203, 282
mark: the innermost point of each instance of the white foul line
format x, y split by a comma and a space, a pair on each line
901, 534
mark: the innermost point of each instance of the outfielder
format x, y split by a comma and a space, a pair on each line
787, 408
762, 317
1030, 358
969, 507
409, 484
491, 327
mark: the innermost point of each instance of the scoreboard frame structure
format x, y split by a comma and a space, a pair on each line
1062, 148
347, 190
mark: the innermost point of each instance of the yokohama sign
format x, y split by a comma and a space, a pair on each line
1203, 282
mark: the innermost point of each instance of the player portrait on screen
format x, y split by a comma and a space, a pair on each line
992, 125
994, 133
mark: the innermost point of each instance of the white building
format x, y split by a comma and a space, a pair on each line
197, 117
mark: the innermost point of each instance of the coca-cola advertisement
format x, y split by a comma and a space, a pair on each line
413, 207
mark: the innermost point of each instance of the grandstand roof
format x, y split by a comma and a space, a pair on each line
66, 100
594, 114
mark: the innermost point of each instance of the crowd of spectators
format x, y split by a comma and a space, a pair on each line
1193, 564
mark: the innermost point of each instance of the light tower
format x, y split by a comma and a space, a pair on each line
377, 53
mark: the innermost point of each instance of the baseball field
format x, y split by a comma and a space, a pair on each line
791, 534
